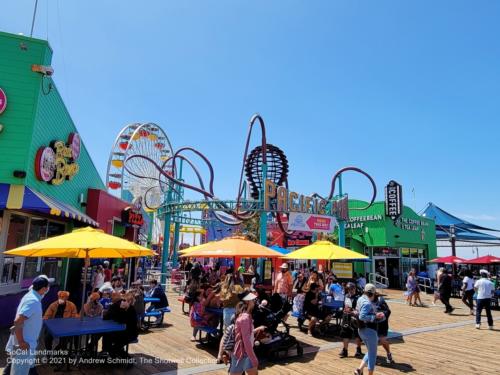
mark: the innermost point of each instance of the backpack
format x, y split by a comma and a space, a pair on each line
228, 340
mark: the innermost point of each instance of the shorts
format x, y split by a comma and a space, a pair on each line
240, 365
383, 329
318, 314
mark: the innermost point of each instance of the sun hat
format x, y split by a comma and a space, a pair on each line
247, 296
484, 272
284, 266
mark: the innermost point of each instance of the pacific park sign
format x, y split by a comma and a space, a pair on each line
279, 199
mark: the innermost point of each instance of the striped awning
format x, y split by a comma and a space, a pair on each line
20, 197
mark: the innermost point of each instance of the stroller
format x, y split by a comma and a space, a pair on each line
275, 340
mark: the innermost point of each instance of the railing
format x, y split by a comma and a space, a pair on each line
378, 280
425, 283
177, 281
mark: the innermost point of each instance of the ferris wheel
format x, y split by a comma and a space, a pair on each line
147, 139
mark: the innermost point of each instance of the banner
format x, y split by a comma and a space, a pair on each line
311, 223
393, 200
342, 270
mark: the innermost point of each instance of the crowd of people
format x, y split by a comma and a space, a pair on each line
218, 292
109, 299
304, 290
473, 284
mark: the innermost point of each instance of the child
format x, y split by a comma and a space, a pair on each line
196, 317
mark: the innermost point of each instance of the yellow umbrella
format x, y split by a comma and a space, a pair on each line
231, 247
326, 250
83, 243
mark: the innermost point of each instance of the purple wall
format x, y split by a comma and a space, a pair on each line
9, 304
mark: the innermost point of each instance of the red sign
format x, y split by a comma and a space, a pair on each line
130, 217
298, 242
3, 101
319, 223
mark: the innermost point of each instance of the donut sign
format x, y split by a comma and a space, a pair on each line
45, 164
56, 163
3, 101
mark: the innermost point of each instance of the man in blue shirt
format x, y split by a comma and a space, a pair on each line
26, 330
336, 290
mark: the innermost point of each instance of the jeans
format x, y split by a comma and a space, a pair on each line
370, 338
22, 361
486, 304
468, 298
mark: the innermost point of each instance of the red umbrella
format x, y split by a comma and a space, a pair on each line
448, 260
487, 259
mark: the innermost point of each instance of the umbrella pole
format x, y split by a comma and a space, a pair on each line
84, 282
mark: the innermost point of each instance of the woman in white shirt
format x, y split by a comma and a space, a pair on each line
98, 281
468, 291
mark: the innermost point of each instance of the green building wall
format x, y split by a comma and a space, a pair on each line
34, 117
384, 233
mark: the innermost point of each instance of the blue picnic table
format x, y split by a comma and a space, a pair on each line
67, 327
75, 328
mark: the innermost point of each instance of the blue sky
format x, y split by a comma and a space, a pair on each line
407, 91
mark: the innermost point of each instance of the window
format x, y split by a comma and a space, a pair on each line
51, 266
37, 231
22, 230
16, 236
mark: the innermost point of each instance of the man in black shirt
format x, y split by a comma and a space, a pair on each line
445, 291
121, 311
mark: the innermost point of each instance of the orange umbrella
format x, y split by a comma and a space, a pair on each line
232, 247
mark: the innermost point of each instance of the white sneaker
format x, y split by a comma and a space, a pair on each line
478, 326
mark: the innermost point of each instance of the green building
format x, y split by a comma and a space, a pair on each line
45, 170
394, 247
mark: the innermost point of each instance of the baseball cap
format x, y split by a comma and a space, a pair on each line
370, 288
484, 272
246, 296
41, 281
284, 266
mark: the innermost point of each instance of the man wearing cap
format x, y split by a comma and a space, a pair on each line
283, 284
484, 289
27, 325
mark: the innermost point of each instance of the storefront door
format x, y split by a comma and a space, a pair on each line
393, 272
380, 266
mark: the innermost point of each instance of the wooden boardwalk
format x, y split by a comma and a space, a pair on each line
426, 341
